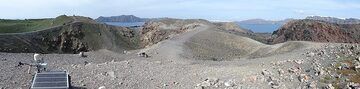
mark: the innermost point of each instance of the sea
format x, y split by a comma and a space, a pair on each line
261, 28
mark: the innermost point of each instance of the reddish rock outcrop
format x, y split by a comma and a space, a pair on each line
318, 31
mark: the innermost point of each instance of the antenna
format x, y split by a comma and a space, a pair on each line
39, 63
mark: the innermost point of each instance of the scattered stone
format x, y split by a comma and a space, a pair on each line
111, 74
199, 87
291, 78
357, 65
102, 87
253, 78
229, 83
352, 47
143, 54
74, 66
281, 72
312, 85
299, 61
265, 72
81, 54
344, 66
329, 86
319, 72
352, 85
358, 58
339, 67
337, 56
208, 82
85, 62
165, 85
176, 83
303, 78
4, 59
311, 54
274, 84
293, 70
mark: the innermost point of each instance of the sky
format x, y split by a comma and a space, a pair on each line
217, 10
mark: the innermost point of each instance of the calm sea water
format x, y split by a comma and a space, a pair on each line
261, 27
125, 24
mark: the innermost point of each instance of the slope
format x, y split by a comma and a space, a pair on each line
79, 34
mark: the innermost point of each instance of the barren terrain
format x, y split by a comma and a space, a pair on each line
200, 56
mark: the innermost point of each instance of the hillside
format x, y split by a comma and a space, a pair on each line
29, 25
318, 31
77, 34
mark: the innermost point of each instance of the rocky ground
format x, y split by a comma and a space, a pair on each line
200, 57
168, 66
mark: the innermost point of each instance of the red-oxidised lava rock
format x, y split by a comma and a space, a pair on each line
318, 31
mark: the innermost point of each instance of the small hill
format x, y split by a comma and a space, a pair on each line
121, 18
71, 34
201, 39
318, 31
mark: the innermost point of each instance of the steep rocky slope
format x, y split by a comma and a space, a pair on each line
318, 31
75, 35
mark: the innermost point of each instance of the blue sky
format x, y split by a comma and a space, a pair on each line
222, 10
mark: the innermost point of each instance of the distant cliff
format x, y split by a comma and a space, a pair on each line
335, 20
121, 18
